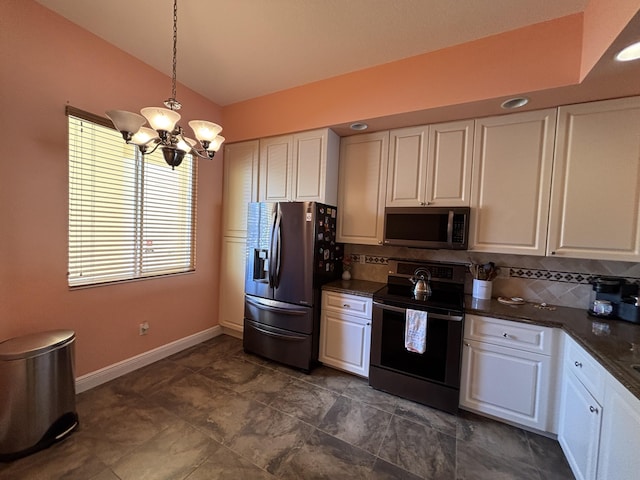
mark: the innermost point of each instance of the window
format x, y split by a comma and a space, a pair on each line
129, 217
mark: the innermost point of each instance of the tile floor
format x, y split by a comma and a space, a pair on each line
214, 412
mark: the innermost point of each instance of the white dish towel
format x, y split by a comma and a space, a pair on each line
415, 332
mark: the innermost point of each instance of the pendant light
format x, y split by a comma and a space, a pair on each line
165, 131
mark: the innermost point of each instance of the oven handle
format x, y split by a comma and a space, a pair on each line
437, 316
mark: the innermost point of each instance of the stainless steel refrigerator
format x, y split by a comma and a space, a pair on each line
291, 253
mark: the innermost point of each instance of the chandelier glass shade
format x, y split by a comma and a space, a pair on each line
165, 132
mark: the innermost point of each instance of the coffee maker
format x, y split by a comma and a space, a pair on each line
614, 298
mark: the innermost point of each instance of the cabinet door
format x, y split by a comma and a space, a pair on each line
579, 429
276, 157
595, 207
512, 160
345, 342
449, 164
506, 383
240, 186
315, 166
362, 188
620, 438
232, 266
407, 175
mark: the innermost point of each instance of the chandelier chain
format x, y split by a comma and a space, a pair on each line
175, 48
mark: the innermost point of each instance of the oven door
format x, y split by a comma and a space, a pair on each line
440, 363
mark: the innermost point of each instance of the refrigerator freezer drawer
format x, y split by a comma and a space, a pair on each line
295, 318
276, 344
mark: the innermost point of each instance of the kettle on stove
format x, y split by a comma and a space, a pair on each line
421, 288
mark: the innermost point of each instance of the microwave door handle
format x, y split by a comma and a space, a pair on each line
450, 229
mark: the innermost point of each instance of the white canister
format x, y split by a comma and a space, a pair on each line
482, 289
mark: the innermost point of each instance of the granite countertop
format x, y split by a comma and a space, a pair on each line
614, 343
363, 288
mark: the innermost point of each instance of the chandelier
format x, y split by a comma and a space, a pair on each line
165, 133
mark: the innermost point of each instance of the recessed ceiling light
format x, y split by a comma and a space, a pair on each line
359, 126
632, 52
516, 102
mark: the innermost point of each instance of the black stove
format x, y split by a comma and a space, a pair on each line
447, 287
432, 377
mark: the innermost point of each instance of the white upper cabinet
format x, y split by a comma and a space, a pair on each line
301, 167
276, 165
430, 165
240, 186
511, 181
595, 205
449, 164
315, 166
362, 188
407, 175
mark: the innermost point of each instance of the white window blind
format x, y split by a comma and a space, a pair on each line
129, 216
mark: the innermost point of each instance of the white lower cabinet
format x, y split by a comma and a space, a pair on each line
619, 456
579, 430
507, 371
599, 429
345, 332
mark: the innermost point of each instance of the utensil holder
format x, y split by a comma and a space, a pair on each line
482, 289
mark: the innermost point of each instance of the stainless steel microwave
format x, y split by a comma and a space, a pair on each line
427, 227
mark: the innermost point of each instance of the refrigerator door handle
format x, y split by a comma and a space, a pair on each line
270, 253
283, 311
278, 238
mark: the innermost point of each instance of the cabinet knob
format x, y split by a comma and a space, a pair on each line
578, 364
346, 305
593, 409
368, 324
379, 242
466, 344
553, 253
505, 335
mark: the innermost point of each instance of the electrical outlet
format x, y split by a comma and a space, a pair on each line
144, 328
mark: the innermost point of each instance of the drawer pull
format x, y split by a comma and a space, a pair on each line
593, 409
505, 335
578, 364
346, 305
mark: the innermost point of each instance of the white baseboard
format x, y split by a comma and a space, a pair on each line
106, 374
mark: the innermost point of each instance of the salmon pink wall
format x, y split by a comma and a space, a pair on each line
538, 57
603, 22
47, 62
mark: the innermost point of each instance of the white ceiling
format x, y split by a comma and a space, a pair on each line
233, 50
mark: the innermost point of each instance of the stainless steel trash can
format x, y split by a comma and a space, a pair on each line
37, 392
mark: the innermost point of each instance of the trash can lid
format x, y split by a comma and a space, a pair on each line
34, 344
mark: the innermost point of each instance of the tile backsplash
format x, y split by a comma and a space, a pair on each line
556, 281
